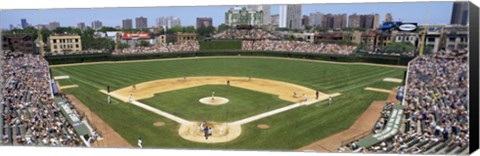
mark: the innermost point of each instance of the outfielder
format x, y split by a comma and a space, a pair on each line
139, 143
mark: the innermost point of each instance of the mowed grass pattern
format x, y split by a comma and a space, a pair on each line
242, 103
288, 131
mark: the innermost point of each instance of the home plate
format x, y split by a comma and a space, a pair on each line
392, 80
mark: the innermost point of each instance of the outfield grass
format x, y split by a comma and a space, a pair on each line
288, 130
242, 103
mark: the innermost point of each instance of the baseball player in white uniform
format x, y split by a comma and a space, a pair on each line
139, 143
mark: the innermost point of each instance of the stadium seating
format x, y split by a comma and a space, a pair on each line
28, 112
436, 104
296, 46
186, 46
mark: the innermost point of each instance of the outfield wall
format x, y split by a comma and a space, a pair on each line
66, 59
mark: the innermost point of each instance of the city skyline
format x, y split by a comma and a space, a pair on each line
436, 12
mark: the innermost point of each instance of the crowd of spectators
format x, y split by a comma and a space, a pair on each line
160, 48
435, 108
245, 34
296, 46
28, 114
76, 52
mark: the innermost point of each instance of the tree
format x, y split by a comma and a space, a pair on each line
122, 46
188, 29
91, 43
308, 27
174, 30
204, 31
399, 47
105, 29
362, 47
143, 43
289, 37
222, 27
282, 29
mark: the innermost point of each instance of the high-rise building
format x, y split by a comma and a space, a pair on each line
174, 22
161, 22
266, 9
282, 18
243, 16
168, 22
97, 24
141, 22
81, 25
274, 20
354, 21
316, 19
53, 25
127, 24
388, 17
334, 21
305, 20
24, 23
376, 21
370, 21
204, 22
290, 16
459, 13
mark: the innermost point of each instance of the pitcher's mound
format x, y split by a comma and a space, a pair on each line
221, 132
158, 124
263, 126
215, 101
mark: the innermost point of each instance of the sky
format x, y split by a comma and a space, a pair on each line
421, 12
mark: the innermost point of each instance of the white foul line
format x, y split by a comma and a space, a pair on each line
273, 112
162, 113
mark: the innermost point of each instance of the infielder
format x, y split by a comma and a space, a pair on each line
329, 100
213, 95
202, 125
305, 97
109, 100
130, 98
316, 95
134, 87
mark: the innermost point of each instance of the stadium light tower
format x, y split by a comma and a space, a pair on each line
422, 44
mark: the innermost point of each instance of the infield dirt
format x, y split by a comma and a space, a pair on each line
110, 137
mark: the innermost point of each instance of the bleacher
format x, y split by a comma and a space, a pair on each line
28, 114
439, 128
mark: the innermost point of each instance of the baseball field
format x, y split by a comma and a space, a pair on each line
260, 112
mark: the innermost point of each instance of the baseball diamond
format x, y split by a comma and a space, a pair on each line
260, 91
